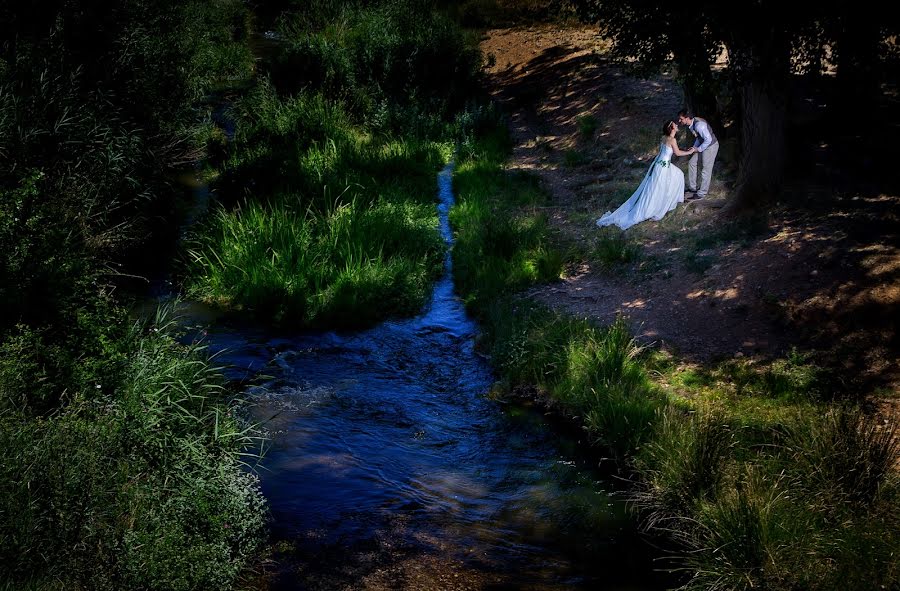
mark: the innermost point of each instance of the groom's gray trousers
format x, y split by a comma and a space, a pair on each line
707, 159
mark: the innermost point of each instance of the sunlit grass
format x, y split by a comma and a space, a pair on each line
340, 230
593, 373
348, 266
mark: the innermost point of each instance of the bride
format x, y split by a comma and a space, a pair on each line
660, 191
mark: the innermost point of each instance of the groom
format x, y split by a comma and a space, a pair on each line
707, 147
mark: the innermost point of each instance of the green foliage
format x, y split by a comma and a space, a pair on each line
791, 379
342, 226
153, 60
395, 64
41, 368
121, 460
348, 266
501, 240
595, 374
738, 540
135, 483
587, 126
845, 456
763, 530
801, 502
573, 158
92, 117
684, 464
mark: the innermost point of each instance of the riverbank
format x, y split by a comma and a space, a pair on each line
749, 456
123, 458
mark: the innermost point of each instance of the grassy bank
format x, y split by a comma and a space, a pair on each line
122, 457
761, 476
327, 192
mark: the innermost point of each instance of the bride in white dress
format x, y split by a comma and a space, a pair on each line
660, 191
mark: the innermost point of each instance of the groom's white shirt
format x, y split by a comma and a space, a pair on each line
701, 130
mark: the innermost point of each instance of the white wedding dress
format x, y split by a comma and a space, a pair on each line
660, 191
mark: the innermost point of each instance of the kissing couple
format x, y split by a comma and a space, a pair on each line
662, 188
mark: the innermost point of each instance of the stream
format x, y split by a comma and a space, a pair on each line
390, 467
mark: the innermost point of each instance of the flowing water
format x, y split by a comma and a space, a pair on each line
389, 467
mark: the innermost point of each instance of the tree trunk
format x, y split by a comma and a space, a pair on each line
763, 145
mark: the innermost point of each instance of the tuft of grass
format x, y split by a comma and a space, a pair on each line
683, 465
587, 126
845, 455
592, 373
736, 543
573, 158
698, 263
612, 248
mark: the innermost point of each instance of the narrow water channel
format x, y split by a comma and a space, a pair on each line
390, 468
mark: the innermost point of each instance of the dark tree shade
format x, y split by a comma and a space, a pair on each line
765, 41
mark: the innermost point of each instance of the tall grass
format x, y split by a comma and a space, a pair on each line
121, 464
134, 484
349, 266
341, 227
306, 144
400, 65
612, 249
592, 373
845, 456
683, 465
328, 189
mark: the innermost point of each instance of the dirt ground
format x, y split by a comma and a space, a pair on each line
821, 274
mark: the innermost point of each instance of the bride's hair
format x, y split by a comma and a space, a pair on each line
667, 127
